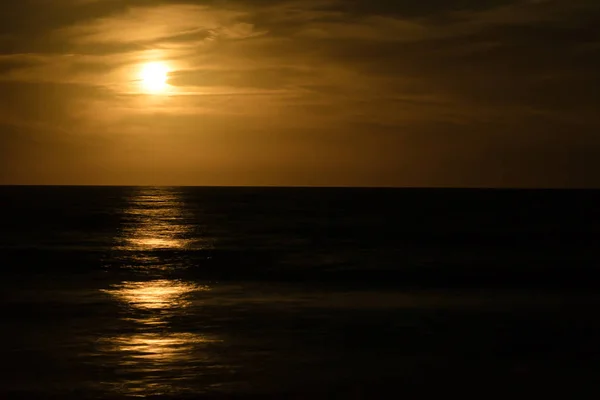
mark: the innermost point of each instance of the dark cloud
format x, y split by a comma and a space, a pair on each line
8, 64
45, 103
418, 8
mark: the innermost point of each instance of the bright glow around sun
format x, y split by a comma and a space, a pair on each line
153, 77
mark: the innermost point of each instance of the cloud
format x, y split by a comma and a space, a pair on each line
438, 88
167, 22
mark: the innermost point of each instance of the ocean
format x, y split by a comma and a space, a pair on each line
208, 292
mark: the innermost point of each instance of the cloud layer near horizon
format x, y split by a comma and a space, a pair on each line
312, 92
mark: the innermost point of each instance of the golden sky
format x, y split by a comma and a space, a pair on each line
300, 92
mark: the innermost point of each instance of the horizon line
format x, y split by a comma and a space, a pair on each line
312, 187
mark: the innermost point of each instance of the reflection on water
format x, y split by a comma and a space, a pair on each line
155, 354
158, 348
158, 363
158, 243
159, 294
157, 220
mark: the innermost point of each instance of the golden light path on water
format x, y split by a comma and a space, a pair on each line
157, 222
154, 350
157, 348
158, 294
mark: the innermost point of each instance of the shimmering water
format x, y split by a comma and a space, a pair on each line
196, 292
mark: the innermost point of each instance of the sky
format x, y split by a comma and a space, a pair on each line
444, 93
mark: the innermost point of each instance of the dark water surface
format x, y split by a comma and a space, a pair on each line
341, 293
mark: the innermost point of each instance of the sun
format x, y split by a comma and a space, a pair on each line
153, 77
